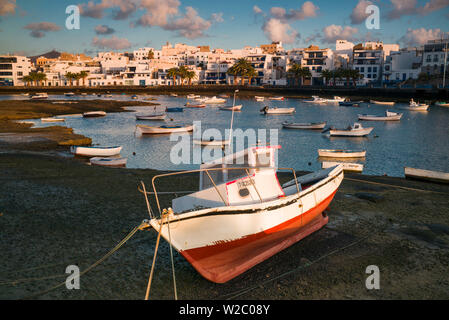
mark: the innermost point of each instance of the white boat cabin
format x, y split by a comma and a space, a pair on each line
221, 187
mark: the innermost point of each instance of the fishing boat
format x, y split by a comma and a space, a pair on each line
174, 110
39, 96
109, 162
95, 151
154, 117
94, 114
268, 110
316, 99
335, 153
427, 175
276, 98
69, 94
232, 108
382, 103
259, 99
189, 105
306, 126
52, 120
347, 166
335, 99
173, 95
241, 216
164, 129
389, 116
442, 104
416, 106
355, 130
214, 100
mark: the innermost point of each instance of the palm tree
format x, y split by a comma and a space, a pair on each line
250, 73
27, 80
173, 73
240, 68
84, 75
182, 73
190, 75
70, 76
77, 78
326, 74
304, 73
294, 72
41, 77
355, 75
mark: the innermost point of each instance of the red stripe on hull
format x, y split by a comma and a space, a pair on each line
225, 261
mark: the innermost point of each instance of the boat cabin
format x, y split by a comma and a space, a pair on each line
242, 178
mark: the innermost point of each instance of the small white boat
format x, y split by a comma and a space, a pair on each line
84, 94
268, 110
356, 130
94, 114
316, 99
335, 99
347, 166
416, 106
192, 96
173, 95
335, 153
442, 104
200, 106
235, 108
69, 94
164, 129
428, 175
95, 151
389, 116
241, 216
276, 98
39, 96
306, 126
259, 99
156, 117
214, 100
52, 120
382, 103
109, 162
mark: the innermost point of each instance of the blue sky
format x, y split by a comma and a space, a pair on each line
37, 26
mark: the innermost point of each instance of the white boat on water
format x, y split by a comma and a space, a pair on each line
382, 103
39, 96
268, 110
316, 99
442, 104
416, 106
108, 162
155, 117
355, 130
173, 95
428, 175
335, 99
52, 120
276, 98
306, 126
347, 166
193, 96
231, 108
95, 151
241, 216
214, 100
389, 116
164, 129
335, 153
94, 114
69, 94
259, 99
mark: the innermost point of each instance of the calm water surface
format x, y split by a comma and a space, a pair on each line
419, 140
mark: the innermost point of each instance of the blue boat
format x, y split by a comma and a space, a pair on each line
348, 104
174, 110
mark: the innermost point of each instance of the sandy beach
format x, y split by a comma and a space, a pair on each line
57, 211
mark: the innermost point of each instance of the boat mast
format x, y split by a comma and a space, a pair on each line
232, 119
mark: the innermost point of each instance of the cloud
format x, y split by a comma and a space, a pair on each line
217, 17
409, 7
158, 12
332, 33
113, 43
359, 15
417, 37
104, 29
277, 30
191, 25
38, 30
308, 10
7, 7
124, 8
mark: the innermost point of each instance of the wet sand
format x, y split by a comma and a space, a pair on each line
57, 211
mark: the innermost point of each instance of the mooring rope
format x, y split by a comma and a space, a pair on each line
117, 247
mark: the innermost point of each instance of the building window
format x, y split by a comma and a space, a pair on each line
362, 69
369, 69
374, 69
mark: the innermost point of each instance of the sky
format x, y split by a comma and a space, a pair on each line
32, 27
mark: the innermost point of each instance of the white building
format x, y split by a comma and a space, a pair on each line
13, 69
402, 65
434, 57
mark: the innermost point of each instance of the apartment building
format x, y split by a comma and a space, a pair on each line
402, 65
316, 60
13, 69
435, 57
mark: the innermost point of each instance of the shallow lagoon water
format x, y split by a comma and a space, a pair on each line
419, 140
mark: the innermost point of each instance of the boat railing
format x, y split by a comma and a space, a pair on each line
207, 171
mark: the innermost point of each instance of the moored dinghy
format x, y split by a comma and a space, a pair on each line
95, 151
231, 108
427, 175
304, 126
52, 120
355, 130
242, 216
164, 129
382, 103
335, 153
389, 116
94, 114
268, 110
154, 117
416, 106
347, 166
